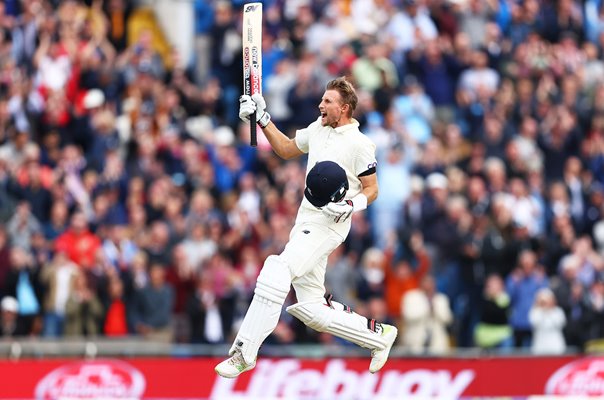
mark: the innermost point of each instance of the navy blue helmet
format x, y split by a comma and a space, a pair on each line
326, 182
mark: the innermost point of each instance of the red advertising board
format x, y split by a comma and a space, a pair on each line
289, 378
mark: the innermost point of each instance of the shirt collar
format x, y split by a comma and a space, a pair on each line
353, 125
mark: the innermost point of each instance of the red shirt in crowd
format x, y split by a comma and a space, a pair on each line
80, 247
115, 321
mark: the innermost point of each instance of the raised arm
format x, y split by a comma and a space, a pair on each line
285, 147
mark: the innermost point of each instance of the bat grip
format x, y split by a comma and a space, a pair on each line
253, 139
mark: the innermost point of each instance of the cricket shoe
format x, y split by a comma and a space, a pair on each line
380, 356
232, 367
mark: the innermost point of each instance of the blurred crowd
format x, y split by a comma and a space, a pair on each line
132, 204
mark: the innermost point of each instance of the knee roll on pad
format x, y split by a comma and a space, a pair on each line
337, 319
274, 280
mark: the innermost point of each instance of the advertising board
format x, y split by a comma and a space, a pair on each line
292, 378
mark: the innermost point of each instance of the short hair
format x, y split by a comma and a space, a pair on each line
347, 92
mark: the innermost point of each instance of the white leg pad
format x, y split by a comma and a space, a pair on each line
337, 319
262, 316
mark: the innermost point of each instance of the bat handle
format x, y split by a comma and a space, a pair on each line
253, 139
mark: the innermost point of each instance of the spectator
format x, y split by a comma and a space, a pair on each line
325, 34
578, 317
83, 310
372, 275
473, 19
278, 85
426, 315
522, 285
208, 312
135, 279
558, 140
407, 27
547, 320
58, 221
154, 304
117, 246
22, 226
22, 284
494, 331
9, 321
438, 68
58, 278
395, 166
116, 315
306, 93
34, 190
412, 210
559, 242
478, 77
589, 261
415, 110
158, 247
197, 246
374, 70
404, 274
78, 242
181, 276
434, 216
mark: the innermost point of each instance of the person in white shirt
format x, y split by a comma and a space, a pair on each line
426, 315
341, 179
547, 321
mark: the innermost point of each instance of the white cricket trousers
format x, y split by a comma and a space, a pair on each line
306, 254
301, 264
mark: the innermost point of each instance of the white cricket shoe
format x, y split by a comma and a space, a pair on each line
232, 367
380, 356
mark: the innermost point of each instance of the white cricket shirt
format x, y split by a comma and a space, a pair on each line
344, 145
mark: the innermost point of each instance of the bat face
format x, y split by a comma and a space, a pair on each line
252, 48
252, 54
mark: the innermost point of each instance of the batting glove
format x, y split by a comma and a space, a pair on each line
338, 212
246, 107
262, 116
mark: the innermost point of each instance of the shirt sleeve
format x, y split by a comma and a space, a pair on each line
366, 162
302, 139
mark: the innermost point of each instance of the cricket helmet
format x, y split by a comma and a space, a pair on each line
326, 182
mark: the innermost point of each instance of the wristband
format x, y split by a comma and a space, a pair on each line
264, 120
359, 202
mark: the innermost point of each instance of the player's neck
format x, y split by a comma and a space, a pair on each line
341, 122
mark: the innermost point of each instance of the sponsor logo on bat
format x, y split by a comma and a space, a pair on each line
251, 7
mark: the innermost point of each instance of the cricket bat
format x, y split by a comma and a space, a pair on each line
252, 57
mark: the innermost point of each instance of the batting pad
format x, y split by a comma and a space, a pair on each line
262, 316
337, 319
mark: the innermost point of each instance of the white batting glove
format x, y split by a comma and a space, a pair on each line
247, 106
262, 116
338, 212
